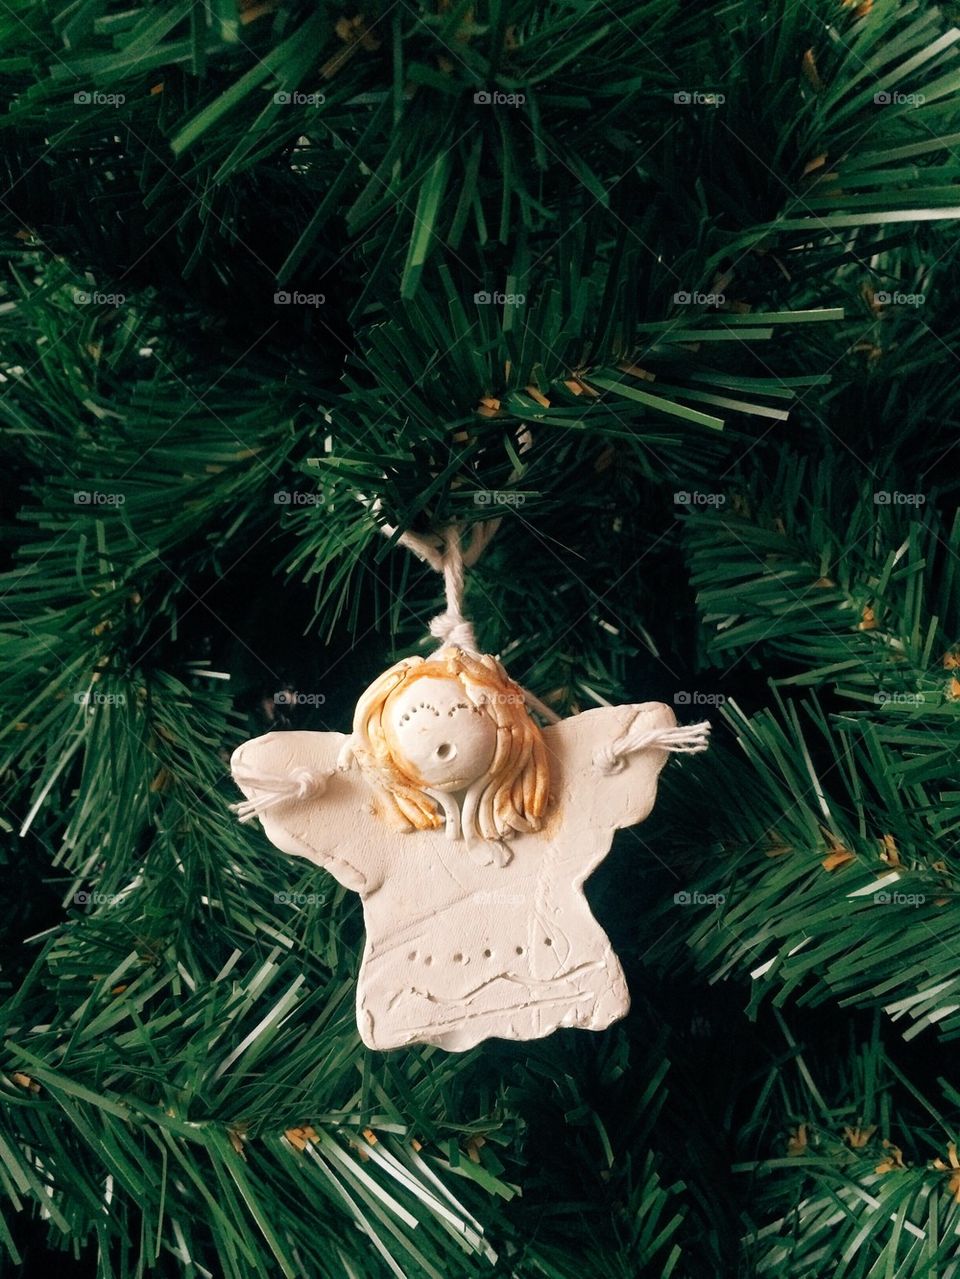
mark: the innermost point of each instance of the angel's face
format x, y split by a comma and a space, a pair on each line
436, 735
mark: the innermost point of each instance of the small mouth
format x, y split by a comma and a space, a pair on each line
451, 785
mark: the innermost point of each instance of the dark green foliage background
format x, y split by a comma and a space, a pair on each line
786, 1079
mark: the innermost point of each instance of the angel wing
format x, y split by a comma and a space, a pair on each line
336, 824
602, 799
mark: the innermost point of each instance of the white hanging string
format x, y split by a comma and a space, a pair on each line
430, 547
450, 626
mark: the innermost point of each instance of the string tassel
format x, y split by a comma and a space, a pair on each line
300, 783
688, 739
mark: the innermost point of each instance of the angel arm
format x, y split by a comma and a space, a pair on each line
610, 792
332, 821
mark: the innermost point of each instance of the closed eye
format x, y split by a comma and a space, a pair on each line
415, 710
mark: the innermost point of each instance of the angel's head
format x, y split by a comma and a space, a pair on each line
453, 724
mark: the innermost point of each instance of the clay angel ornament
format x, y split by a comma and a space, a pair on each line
468, 832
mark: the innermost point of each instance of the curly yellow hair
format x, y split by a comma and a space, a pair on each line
511, 796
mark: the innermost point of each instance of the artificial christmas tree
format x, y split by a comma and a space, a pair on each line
665, 294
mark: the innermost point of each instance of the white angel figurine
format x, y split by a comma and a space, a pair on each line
468, 832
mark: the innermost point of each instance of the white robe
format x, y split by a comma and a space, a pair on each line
460, 948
